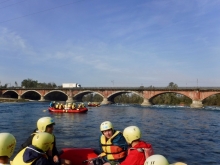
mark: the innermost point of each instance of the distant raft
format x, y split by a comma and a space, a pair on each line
77, 110
93, 104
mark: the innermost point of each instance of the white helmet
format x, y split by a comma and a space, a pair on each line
43, 140
160, 160
131, 133
43, 122
156, 160
106, 125
7, 144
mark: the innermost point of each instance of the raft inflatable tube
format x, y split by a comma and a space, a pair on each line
80, 110
79, 156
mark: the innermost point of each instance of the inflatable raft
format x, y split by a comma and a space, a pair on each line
79, 156
93, 104
78, 110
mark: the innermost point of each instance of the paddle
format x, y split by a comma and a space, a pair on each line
98, 157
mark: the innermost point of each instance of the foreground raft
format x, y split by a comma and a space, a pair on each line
79, 156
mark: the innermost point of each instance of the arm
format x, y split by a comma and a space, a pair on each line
54, 150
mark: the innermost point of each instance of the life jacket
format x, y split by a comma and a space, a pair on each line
18, 160
69, 105
57, 106
60, 106
73, 106
112, 151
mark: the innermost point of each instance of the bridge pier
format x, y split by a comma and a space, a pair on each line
69, 99
196, 104
105, 101
146, 102
42, 98
19, 97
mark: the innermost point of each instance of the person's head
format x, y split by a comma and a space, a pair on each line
132, 133
159, 160
107, 129
156, 160
45, 124
43, 141
7, 146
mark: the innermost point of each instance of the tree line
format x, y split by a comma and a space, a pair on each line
29, 83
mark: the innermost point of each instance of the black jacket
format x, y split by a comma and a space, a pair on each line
29, 142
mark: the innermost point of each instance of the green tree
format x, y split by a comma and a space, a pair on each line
29, 83
172, 85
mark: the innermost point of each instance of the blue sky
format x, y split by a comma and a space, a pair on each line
100, 43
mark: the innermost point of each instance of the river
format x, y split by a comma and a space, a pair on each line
179, 133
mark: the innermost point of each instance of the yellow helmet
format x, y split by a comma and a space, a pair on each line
106, 125
156, 160
132, 133
7, 144
43, 122
43, 140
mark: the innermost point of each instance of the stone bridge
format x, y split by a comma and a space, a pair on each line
197, 95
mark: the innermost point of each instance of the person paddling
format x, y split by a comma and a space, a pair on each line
113, 144
7, 146
46, 124
35, 154
139, 150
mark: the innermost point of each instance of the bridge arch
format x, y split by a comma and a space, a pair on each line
110, 98
209, 94
31, 95
55, 91
56, 95
11, 93
164, 92
78, 96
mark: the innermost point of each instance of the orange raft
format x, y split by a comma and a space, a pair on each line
79, 156
77, 110
93, 104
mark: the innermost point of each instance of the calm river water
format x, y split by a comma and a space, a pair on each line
180, 134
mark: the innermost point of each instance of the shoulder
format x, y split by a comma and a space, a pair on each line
143, 144
118, 133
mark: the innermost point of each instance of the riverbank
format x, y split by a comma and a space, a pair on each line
6, 100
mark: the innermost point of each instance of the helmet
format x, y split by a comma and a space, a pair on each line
106, 125
132, 133
156, 160
43, 140
7, 144
43, 122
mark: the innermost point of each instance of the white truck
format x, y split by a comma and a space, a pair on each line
71, 85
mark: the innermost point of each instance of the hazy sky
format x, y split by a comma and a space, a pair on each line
100, 43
